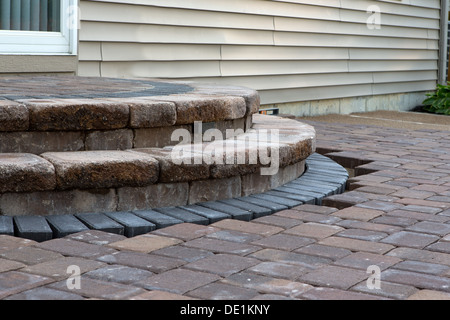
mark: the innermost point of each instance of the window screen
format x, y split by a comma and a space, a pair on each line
30, 15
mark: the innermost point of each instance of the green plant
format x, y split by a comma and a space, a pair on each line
439, 101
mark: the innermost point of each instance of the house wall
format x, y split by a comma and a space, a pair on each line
38, 64
306, 57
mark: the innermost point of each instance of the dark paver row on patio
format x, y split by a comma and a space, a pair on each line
396, 217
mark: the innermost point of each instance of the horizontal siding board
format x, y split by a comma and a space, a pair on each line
389, 77
392, 54
335, 27
403, 65
319, 93
292, 81
389, 88
346, 41
392, 8
116, 51
124, 32
172, 69
282, 53
243, 68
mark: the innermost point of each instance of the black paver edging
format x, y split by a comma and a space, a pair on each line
323, 177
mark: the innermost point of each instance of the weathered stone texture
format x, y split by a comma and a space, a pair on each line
25, 172
154, 196
37, 142
76, 114
214, 189
149, 114
13, 116
102, 169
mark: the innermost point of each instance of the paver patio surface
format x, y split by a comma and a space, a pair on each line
395, 216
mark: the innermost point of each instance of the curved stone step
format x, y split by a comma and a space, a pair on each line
323, 177
251, 162
55, 114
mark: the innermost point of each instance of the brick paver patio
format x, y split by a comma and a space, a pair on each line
395, 216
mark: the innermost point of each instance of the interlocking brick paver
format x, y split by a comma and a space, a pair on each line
314, 230
249, 227
410, 239
267, 284
93, 288
301, 259
380, 205
418, 280
387, 289
357, 245
429, 295
9, 242
418, 216
186, 231
13, 282
336, 294
424, 203
415, 194
221, 246
30, 255
234, 236
355, 213
184, 253
362, 260
160, 295
222, 291
144, 243
278, 221
423, 209
440, 246
69, 247
120, 274
424, 267
8, 265
431, 228
395, 221
334, 276
279, 270
284, 242
44, 293
96, 237
308, 216
362, 234
222, 264
179, 281
316, 209
421, 255
58, 269
371, 226
141, 260
320, 250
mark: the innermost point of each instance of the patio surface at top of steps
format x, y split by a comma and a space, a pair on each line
62, 103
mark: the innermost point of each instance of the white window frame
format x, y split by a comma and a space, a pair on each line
45, 43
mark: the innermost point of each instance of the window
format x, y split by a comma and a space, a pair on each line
38, 26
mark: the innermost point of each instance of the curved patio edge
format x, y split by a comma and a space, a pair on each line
323, 177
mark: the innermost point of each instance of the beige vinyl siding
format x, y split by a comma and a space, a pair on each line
291, 51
